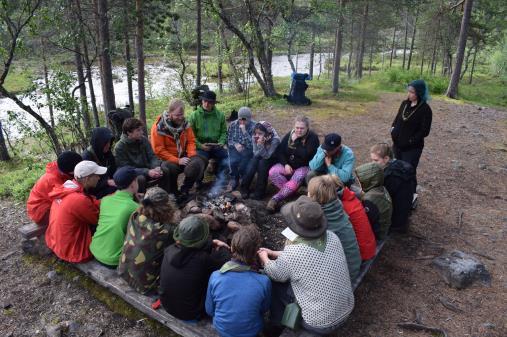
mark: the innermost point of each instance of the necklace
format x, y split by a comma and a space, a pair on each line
405, 116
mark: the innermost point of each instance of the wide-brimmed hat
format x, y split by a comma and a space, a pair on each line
192, 231
209, 96
305, 217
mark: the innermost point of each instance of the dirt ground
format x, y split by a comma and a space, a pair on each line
463, 205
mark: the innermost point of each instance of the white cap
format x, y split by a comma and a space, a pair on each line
87, 168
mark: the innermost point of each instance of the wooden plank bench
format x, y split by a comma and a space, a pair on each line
109, 279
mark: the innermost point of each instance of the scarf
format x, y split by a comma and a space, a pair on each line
234, 265
165, 127
292, 143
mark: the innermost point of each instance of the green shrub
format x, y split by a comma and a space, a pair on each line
18, 177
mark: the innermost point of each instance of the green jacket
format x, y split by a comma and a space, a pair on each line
115, 211
138, 154
209, 127
338, 223
371, 177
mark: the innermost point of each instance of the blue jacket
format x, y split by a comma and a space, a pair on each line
342, 166
237, 302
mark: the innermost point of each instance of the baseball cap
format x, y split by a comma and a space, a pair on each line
331, 141
86, 168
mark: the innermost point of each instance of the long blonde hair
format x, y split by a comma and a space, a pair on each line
322, 189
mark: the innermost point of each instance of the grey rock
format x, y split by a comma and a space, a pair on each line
75, 278
456, 165
52, 275
133, 333
482, 166
54, 330
489, 325
460, 270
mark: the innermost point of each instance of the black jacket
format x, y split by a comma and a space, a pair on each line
95, 152
301, 153
409, 134
184, 279
399, 180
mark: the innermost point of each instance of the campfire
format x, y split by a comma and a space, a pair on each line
223, 210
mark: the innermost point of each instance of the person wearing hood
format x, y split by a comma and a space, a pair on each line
100, 151
411, 125
73, 213
210, 130
371, 180
295, 151
399, 180
239, 279
334, 158
322, 189
38, 204
265, 141
135, 150
187, 266
311, 271
239, 143
173, 141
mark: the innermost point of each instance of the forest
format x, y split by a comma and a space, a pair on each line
68, 66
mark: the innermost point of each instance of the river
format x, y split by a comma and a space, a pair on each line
160, 82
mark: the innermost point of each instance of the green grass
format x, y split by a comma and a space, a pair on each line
20, 80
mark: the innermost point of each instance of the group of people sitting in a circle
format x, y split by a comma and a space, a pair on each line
97, 205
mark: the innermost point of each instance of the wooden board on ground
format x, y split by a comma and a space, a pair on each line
109, 279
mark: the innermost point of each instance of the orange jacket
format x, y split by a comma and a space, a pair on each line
39, 203
72, 213
164, 145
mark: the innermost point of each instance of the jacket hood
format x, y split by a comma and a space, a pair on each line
99, 138
52, 168
370, 175
68, 187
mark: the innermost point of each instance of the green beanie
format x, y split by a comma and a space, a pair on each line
192, 232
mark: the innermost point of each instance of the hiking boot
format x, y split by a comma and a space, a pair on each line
234, 183
245, 194
273, 205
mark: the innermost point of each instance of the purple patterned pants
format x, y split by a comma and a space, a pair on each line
287, 185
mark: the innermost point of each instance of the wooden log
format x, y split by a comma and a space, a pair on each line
110, 280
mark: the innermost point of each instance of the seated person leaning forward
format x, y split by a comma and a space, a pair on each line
100, 151
400, 182
173, 141
371, 179
311, 270
322, 189
115, 211
295, 151
210, 130
333, 157
187, 266
73, 214
57, 172
265, 142
149, 232
239, 279
239, 142
134, 149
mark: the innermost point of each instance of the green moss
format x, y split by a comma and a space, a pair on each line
18, 176
20, 79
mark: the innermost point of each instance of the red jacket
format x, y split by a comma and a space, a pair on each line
357, 215
38, 203
72, 213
